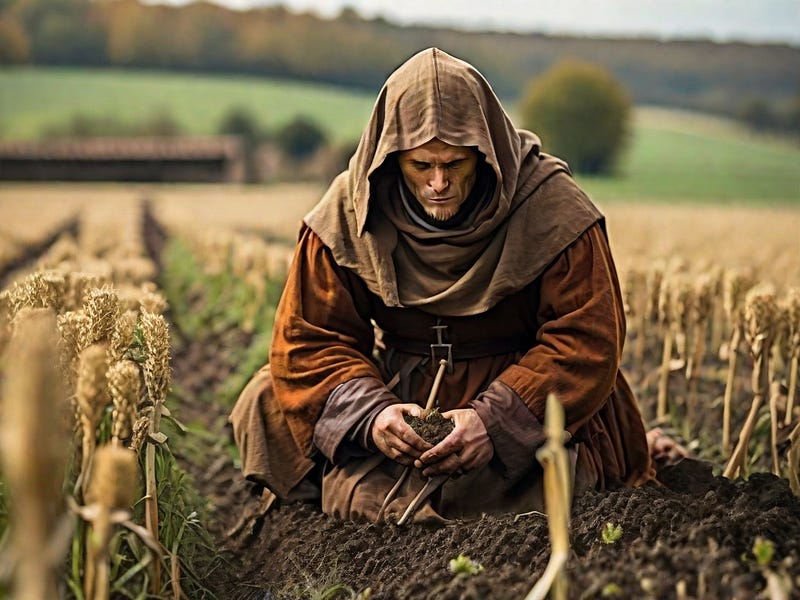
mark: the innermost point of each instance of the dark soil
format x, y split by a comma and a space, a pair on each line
691, 536
431, 426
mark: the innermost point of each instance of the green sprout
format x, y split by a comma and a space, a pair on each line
611, 533
763, 550
464, 564
611, 590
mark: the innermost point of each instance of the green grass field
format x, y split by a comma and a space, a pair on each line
673, 156
33, 99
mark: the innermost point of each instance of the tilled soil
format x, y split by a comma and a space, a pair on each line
691, 536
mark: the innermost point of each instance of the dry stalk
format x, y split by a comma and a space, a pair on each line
635, 308
793, 313
34, 439
108, 500
558, 496
91, 397
759, 318
794, 460
665, 321
74, 327
733, 292
701, 315
156, 371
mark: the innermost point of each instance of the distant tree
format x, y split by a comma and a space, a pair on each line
581, 113
239, 121
15, 47
301, 137
758, 114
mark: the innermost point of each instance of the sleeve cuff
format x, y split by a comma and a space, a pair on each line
343, 429
515, 432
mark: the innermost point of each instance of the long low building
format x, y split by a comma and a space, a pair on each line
166, 159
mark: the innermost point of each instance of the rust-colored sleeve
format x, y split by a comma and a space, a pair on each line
580, 335
319, 339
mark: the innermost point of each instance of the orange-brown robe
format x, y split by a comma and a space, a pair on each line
526, 288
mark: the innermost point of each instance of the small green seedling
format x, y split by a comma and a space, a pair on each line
763, 550
464, 564
611, 533
611, 590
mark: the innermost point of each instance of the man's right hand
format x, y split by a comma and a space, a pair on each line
394, 437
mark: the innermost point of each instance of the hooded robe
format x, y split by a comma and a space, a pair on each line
521, 293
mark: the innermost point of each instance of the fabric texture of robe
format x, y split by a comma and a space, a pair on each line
525, 292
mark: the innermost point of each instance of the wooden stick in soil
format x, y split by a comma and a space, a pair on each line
557, 493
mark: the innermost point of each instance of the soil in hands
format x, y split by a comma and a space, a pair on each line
431, 426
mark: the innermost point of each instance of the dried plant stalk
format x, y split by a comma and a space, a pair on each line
91, 397
558, 497
42, 289
793, 313
35, 439
666, 322
759, 318
733, 291
112, 488
155, 333
794, 460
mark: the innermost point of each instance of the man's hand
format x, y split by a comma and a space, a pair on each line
467, 447
394, 437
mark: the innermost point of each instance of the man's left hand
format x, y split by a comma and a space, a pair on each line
467, 447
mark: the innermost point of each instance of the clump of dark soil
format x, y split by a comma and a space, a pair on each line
431, 426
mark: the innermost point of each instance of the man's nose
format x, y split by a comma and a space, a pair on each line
439, 179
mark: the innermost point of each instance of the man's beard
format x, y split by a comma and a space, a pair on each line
441, 213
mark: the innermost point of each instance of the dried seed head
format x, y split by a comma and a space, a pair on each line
734, 287
124, 386
140, 429
703, 298
682, 299
123, 336
792, 304
103, 308
760, 310
152, 302
155, 333
74, 329
43, 289
92, 388
115, 477
134, 270
78, 286
34, 435
655, 278
633, 288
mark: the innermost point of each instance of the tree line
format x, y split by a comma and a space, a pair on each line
729, 78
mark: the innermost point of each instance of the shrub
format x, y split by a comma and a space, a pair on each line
581, 113
301, 138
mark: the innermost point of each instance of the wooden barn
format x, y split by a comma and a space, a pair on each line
165, 159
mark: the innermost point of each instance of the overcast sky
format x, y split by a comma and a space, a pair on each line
723, 20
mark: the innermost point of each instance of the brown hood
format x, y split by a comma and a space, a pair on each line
465, 270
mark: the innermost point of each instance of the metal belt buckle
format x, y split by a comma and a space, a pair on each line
440, 350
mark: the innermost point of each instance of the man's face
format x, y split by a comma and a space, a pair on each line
440, 176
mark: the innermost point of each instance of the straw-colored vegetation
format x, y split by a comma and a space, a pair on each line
85, 342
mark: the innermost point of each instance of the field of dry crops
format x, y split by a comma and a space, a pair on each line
135, 314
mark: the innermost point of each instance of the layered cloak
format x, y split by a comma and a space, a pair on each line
525, 289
